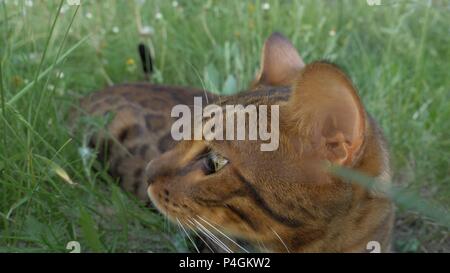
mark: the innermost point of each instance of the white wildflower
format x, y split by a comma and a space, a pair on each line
64, 9
85, 152
146, 30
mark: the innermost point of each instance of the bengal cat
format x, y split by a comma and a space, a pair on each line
282, 201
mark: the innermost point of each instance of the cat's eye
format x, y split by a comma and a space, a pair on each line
213, 162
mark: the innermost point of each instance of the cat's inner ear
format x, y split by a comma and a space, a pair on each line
325, 102
280, 62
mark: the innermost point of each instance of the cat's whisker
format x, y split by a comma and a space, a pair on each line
200, 78
260, 246
223, 234
281, 240
213, 237
207, 235
199, 236
187, 234
206, 95
264, 248
148, 165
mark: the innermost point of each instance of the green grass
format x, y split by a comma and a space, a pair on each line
50, 194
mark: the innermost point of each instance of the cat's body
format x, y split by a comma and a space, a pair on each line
284, 200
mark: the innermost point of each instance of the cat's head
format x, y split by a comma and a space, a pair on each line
262, 196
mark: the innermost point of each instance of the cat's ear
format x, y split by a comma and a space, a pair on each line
325, 102
280, 62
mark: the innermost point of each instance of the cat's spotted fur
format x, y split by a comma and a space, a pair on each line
285, 200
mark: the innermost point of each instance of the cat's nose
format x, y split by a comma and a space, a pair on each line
154, 170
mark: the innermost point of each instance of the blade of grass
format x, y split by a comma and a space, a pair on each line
27, 88
58, 170
47, 43
54, 64
2, 95
90, 232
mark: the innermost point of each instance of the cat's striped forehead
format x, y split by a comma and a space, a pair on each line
262, 95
